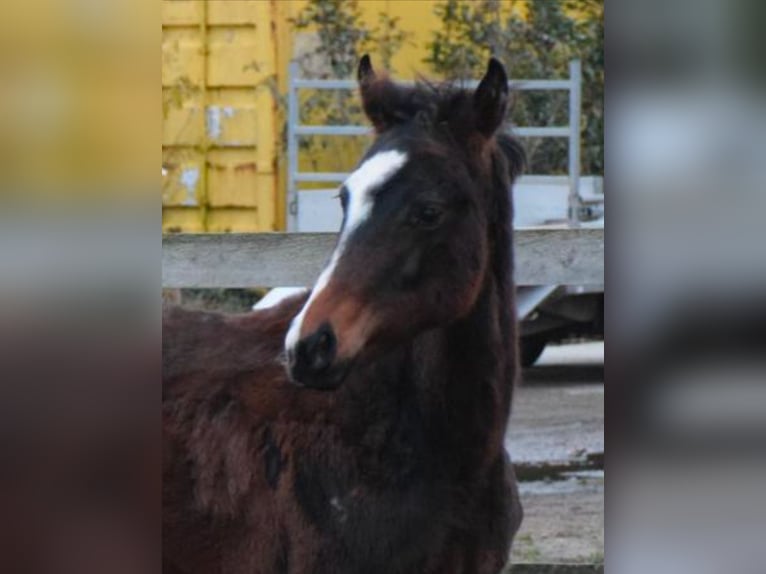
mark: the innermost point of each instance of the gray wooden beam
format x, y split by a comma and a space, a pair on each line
532, 568
544, 256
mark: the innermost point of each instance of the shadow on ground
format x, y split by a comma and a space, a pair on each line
552, 374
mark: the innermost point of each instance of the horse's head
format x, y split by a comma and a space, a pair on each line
413, 248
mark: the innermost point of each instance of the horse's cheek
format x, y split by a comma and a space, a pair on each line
411, 269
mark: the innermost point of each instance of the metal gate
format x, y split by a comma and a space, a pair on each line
297, 130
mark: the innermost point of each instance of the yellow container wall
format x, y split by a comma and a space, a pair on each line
219, 130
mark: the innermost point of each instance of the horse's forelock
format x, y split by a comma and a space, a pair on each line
387, 103
433, 105
445, 118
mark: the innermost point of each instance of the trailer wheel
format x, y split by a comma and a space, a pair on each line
531, 349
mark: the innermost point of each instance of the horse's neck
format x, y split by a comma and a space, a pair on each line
449, 389
476, 379
476, 366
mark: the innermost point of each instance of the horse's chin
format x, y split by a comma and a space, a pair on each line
327, 380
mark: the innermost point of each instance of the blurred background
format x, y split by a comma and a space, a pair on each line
686, 314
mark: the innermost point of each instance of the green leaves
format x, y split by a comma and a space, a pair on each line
342, 38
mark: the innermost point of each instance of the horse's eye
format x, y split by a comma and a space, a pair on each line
428, 215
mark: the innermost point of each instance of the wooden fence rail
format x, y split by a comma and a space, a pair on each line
532, 568
544, 256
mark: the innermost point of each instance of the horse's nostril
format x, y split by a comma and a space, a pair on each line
315, 353
323, 348
323, 343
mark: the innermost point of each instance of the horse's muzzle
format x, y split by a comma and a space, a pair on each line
312, 363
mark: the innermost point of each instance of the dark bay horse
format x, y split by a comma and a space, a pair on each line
359, 430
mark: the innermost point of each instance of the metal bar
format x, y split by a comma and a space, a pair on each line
318, 176
542, 132
543, 256
524, 85
292, 148
332, 130
533, 131
327, 84
575, 74
548, 568
557, 180
329, 176
541, 85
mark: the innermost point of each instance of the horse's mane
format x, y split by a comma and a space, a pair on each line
513, 151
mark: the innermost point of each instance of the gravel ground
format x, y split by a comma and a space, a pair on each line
558, 419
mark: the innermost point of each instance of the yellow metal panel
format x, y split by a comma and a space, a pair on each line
182, 12
231, 117
182, 182
233, 12
219, 129
264, 100
419, 20
233, 178
233, 220
184, 122
266, 161
266, 130
281, 12
233, 57
268, 133
182, 57
182, 219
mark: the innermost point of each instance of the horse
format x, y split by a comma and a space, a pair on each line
360, 428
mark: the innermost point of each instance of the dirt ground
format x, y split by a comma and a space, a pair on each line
558, 421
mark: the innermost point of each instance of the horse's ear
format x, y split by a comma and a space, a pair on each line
364, 72
378, 95
490, 100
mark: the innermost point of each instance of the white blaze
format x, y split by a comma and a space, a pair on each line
373, 173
